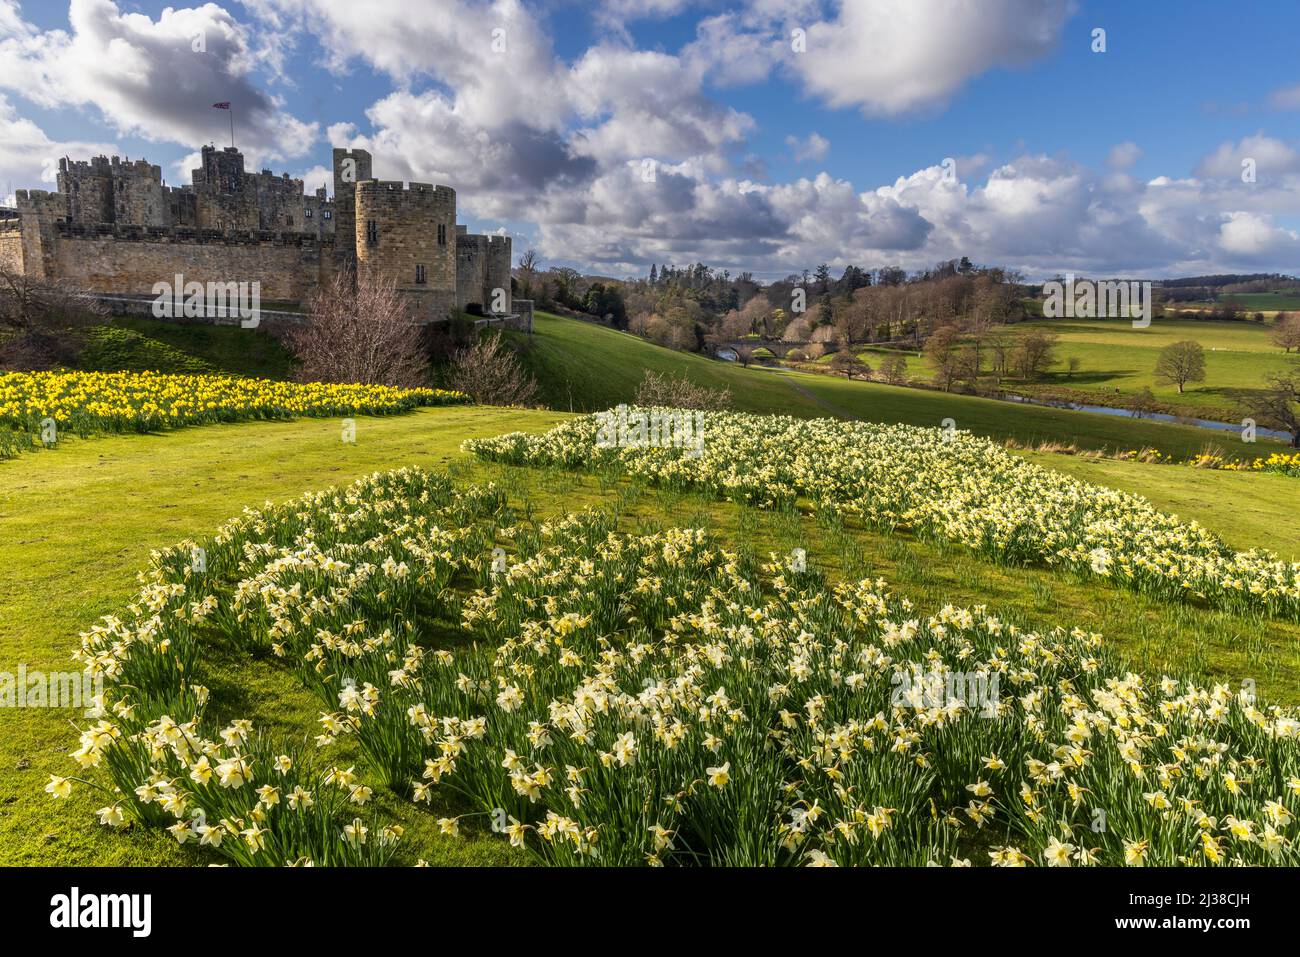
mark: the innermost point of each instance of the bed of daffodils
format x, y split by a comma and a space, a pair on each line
89, 402
1281, 463
611, 698
938, 483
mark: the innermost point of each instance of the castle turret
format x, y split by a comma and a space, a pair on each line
408, 236
350, 167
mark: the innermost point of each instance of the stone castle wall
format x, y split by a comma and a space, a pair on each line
483, 268
115, 227
129, 260
11, 250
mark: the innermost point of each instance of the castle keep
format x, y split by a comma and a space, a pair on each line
114, 227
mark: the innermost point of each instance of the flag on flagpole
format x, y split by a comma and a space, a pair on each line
225, 105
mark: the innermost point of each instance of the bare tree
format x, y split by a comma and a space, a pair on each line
526, 272
1286, 330
1276, 406
1180, 363
845, 361
1144, 403
359, 331
893, 369
44, 319
679, 392
941, 349
1035, 353
490, 373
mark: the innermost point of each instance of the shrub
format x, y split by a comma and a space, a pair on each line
679, 392
490, 373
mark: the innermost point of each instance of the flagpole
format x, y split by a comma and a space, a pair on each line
232, 127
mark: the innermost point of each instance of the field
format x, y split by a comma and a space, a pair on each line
1116, 361
1266, 302
1115, 357
78, 523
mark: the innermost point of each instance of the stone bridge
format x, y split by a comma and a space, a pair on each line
778, 347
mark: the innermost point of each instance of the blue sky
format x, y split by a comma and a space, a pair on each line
765, 158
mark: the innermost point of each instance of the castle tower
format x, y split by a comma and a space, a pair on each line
350, 167
408, 237
225, 197
38, 212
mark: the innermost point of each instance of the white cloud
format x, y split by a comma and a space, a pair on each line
1271, 157
1254, 237
527, 137
814, 147
153, 78
890, 57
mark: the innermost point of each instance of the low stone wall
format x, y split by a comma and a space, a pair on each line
143, 306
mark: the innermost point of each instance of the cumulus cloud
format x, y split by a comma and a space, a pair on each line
889, 57
155, 79
1252, 235
1271, 157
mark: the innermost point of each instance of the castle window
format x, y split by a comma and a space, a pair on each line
419, 275
328, 215
442, 234
307, 213
372, 232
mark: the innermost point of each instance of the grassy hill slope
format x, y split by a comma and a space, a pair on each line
133, 344
584, 367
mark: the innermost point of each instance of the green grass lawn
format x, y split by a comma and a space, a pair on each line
586, 367
1115, 357
1265, 301
136, 344
1116, 361
77, 522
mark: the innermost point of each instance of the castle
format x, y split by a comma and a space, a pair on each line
114, 227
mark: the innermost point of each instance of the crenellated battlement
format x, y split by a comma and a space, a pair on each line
415, 193
189, 234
